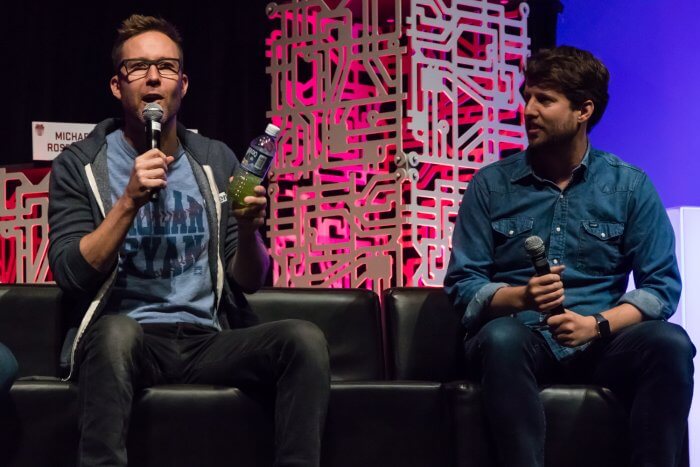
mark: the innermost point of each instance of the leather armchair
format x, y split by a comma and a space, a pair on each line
398, 397
586, 424
184, 425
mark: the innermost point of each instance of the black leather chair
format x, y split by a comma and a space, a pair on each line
586, 424
40, 423
186, 425
371, 422
415, 411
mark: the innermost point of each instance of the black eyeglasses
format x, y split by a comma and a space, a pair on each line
137, 68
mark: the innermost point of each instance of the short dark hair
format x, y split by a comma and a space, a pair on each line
576, 73
138, 24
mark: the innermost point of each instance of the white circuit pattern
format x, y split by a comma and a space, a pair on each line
368, 178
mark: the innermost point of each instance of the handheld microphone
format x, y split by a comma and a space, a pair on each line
535, 249
153, 114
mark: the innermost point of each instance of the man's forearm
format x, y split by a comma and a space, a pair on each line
506, 301
249, 265
101, 247
622, 316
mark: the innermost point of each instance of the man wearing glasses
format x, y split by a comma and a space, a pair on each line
159, 285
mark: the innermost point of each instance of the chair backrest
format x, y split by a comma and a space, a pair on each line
350, 319
32, 326
424, 335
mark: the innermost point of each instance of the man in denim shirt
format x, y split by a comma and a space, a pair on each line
600, 218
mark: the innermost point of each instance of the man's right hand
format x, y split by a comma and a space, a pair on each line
100, 247
148, 173
544, 293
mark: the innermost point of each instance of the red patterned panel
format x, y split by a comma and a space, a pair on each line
24, 226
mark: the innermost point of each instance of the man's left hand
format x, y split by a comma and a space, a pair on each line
571, 329
251, 217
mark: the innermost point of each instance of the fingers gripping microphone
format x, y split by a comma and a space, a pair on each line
152, 115
535, 249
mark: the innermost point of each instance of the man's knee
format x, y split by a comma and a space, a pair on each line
304, 339
667, 341
8, 369
504, 335
114, 334
505, 354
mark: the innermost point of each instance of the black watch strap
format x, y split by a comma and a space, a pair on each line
602, 324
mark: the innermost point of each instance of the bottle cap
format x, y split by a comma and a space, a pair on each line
272, 130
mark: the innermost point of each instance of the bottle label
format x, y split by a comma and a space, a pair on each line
256, 162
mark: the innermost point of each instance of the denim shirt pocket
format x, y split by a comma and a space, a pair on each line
513, 226
599, 247
509, 236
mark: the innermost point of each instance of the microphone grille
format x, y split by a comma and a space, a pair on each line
153, 112
534, 246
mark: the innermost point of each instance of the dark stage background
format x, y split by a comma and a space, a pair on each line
59, 57
57, 64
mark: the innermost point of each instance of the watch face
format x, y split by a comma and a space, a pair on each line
603, 325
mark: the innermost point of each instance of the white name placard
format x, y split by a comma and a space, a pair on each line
50, 138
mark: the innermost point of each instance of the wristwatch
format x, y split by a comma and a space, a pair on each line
602, 325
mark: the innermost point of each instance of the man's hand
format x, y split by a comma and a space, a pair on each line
100, 247
251, 217
571, 329
251, 261
544, 293
149, 173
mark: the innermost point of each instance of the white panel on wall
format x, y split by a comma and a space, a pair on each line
686, 224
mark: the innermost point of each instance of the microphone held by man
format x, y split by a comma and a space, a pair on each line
152, 116
534, 246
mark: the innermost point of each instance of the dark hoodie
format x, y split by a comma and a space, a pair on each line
79, 198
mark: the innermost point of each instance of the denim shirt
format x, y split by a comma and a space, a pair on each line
607, 222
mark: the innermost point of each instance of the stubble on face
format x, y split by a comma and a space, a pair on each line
550, 119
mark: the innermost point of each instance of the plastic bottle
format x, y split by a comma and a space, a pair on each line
254, 166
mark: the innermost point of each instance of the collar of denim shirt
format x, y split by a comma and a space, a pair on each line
525, 169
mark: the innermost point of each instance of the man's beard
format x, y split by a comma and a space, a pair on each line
560, 138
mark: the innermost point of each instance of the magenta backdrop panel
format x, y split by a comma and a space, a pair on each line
386, 115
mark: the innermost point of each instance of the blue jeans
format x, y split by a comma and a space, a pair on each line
8, 370
649, 366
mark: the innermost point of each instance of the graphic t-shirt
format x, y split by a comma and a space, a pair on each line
163, 274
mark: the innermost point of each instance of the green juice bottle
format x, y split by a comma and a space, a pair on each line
254, 166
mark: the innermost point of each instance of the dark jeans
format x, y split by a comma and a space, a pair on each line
286, 358
648, 365
8, 370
